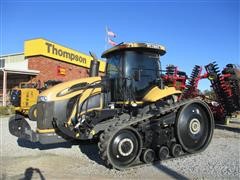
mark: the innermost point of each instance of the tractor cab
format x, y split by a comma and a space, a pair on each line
133, 69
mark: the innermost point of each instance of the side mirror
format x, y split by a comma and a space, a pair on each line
137, 75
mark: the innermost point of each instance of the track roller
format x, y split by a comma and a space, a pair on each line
163, 152
148, 156
176, 150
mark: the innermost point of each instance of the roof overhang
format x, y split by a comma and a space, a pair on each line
17, 71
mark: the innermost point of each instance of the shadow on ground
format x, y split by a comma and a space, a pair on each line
37, 145
28, 174
170, 172
227, 127
90, 149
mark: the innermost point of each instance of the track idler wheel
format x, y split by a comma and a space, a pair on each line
163, 153
148, 156
176, 150
194, 126
120, 148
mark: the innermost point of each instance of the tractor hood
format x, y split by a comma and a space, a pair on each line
67, 90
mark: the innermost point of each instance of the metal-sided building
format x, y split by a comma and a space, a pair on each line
42, 60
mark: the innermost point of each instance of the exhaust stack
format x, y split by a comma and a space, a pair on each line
94, 66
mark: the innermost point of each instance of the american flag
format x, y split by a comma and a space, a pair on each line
110, 33
110, 41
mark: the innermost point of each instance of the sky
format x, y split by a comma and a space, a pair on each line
193, 32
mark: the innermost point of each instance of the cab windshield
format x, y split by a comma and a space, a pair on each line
147, 66
114, 66
124, 65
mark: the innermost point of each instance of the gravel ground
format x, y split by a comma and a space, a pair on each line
23, 160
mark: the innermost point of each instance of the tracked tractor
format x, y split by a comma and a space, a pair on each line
133, 115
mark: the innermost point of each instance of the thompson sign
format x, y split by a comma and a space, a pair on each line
46, 48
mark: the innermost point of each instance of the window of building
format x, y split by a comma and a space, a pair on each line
2, 63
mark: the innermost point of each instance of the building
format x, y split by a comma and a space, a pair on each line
42, 60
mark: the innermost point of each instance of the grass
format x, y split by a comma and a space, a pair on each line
7, 110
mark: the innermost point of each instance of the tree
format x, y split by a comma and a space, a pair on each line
210, 94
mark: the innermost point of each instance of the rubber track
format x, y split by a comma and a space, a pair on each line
119, 123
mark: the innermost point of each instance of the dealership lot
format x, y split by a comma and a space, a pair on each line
21, 159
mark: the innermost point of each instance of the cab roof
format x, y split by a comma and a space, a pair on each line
156, 48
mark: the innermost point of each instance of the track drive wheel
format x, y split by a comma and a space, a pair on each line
119, 147
194, 126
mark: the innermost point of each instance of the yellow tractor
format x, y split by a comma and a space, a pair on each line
133, 115
24, 97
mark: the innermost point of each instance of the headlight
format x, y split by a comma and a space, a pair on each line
42, 98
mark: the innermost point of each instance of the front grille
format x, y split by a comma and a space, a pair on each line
45, 111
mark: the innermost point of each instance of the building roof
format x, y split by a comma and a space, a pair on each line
13, 54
